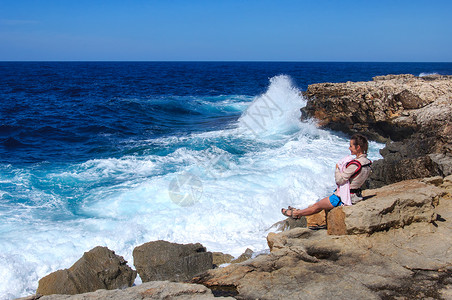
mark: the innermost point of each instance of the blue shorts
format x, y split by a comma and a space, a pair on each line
335, 200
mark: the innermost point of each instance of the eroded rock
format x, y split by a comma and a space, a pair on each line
162, 260
99, 268
413, 114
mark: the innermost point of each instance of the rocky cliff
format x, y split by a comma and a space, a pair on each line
412, 114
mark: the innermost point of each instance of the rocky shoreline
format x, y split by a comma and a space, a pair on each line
397, 244
407, 258
413, 115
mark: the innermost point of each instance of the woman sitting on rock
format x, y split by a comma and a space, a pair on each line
350, 174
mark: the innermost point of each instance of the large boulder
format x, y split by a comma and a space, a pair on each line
99, 268
392, 206
162, 260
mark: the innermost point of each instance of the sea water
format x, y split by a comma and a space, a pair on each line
120, 154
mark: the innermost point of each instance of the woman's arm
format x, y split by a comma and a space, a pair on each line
342, 177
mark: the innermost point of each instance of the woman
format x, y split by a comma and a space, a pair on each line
354, 173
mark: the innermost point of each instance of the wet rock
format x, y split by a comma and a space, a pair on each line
99, 268
162, 260
289, 223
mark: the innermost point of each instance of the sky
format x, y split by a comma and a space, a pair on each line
233, 30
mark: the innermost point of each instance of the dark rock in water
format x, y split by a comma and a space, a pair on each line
162, 260
100, 268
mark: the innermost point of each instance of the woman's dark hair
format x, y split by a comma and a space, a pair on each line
361, 141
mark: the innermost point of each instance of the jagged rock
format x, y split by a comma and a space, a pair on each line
244, 256
392, 206
162, 260
412, 262
377, 105
415, 113
99, 268
150, 290
220, 258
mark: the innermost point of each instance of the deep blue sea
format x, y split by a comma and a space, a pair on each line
122, 153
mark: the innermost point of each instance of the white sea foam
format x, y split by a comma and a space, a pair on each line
246, 174
427, 74
276, 111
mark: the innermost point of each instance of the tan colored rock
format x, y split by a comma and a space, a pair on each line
99, 268
243, 257
150, 290
392, 206
336, 222
318, 219
343, 105
414, 112
220, 258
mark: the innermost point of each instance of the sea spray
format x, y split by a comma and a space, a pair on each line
276, 111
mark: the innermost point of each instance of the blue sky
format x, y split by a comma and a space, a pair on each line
234, 30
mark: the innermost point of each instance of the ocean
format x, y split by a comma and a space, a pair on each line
118, 154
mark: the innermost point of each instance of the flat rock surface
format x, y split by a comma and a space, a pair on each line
149, 290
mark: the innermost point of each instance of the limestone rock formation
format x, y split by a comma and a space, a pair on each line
99, 268
162, 260
409, 262
414, 113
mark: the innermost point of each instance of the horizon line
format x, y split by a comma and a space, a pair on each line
230, 61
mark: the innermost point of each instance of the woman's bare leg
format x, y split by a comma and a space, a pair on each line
323, 204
